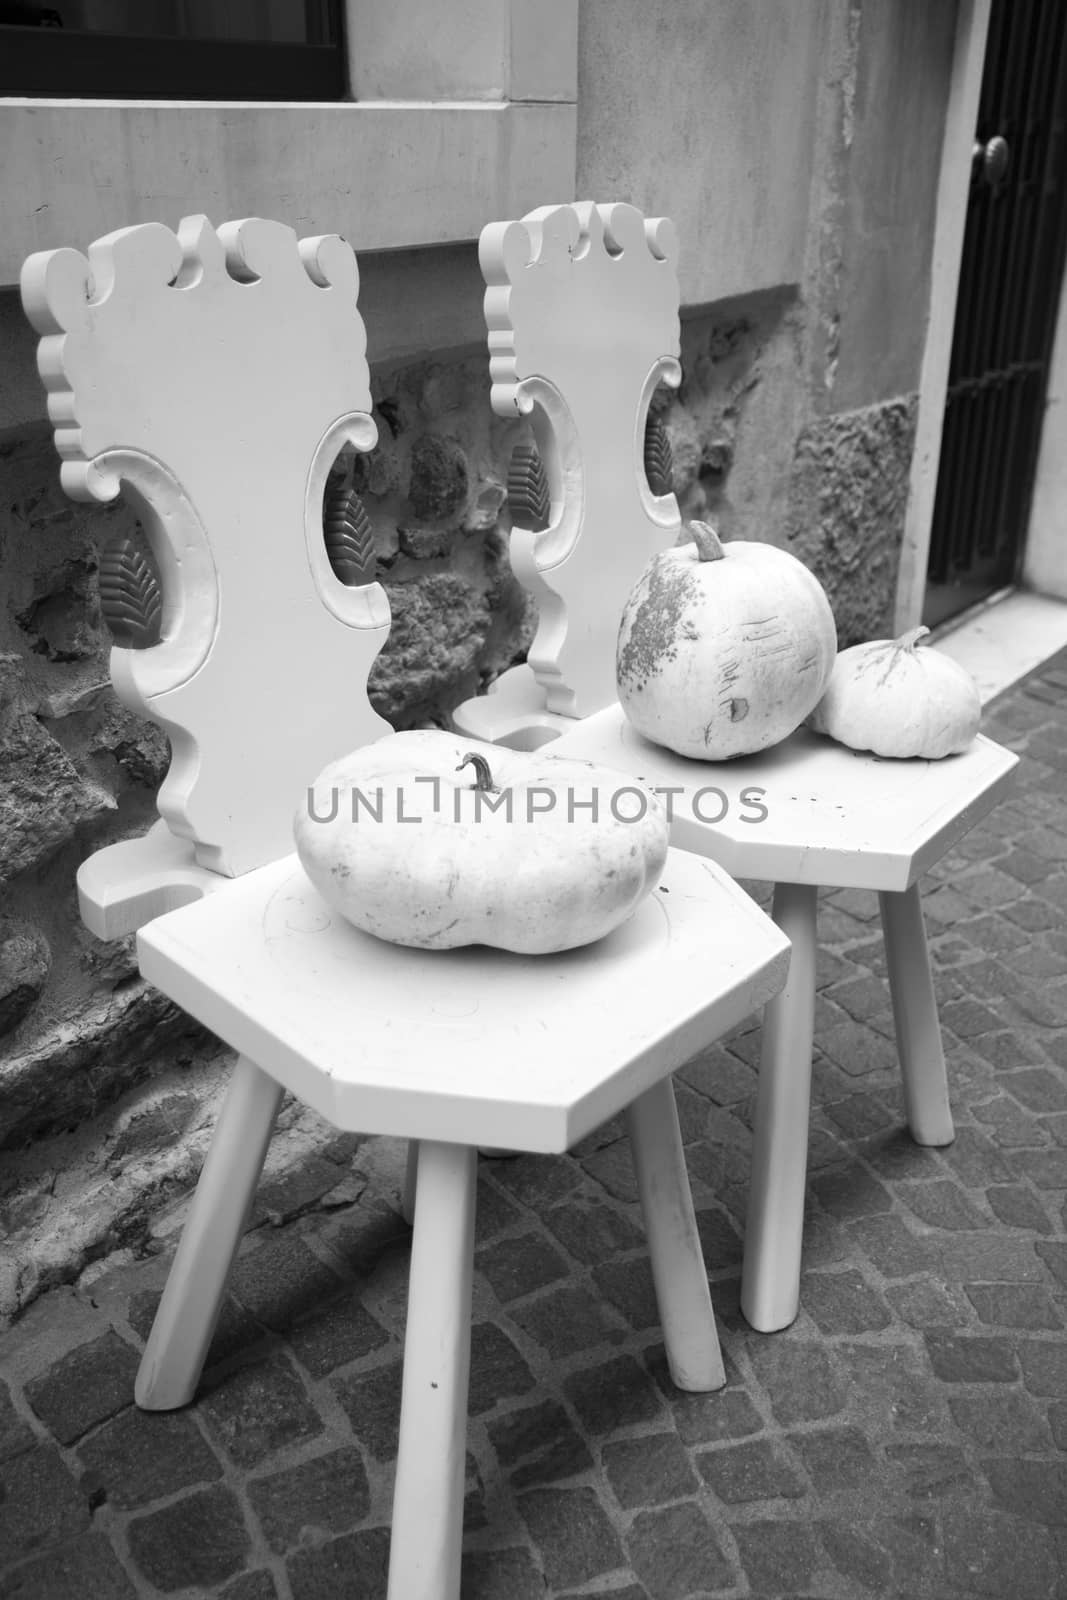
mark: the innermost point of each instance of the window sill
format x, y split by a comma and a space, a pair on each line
385, 174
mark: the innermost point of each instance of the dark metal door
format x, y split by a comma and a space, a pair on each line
1010, 278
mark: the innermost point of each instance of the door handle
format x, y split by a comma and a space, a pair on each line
991, 159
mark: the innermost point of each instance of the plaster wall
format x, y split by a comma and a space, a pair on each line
706, 113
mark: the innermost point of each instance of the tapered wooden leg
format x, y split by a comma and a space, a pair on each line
185, 1321
678, 1269
407, 1199
427, 1538
770, 1281
922, 1059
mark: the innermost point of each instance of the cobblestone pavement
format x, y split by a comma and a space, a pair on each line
907, 1437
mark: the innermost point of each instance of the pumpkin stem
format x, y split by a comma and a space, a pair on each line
707, 541
909, 640
483, 778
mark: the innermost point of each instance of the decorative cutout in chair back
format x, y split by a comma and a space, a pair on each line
582, 311
214, 377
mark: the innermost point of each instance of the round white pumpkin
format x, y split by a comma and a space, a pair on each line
896, 700
427, 841
723, 650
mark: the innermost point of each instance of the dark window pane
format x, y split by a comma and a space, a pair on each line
172, 49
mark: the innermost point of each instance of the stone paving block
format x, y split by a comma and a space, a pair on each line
1011, 1127
538, 1181
801, 1377
1055, 1258
593, 1232
890, 1386
493, 1212
1044, 1366
258, 1410
971, 1358
777, 1556
859, 1115
613, 1169
573, 1536
856, 1050
40, 1504
1036, 1490
924, 1303
568, 1320
198, 1540
893, 1247
281, 1279
501, 1575
990, 1258
85, 1387
539, 1444
1001, 1421
1045, 1168
518, 1266
498, 1371
942, 1204
931, 1471
615, 1394
676, 1553
1039, 1089
371, 1401
649, 1471
328, 1494
855, 1556
82, 1569
975, 1159
336, 1334
720, 1076
250, 1586
628, 1286
1013, 1305
353, 1564
141, 1456
843, 1302
993, 1555
834, 1458
742, 1473
364, 1235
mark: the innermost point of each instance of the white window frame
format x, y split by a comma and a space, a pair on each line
463, 112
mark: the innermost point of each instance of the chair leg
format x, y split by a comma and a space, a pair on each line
427, 1537
770, 1281
922, 1059
185, 1321
678, 1269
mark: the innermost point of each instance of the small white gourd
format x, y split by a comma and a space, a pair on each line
891, 698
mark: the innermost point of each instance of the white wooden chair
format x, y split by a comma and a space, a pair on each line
831, 818
213, 377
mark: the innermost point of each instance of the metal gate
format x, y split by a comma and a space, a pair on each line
1009, 291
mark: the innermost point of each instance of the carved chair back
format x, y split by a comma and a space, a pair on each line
581, 307
214, 377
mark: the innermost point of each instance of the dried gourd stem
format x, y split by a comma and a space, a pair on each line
709, 547
909, 640
483, 778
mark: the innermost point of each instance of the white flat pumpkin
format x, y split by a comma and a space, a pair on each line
430, 841
723, 650
891, 698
